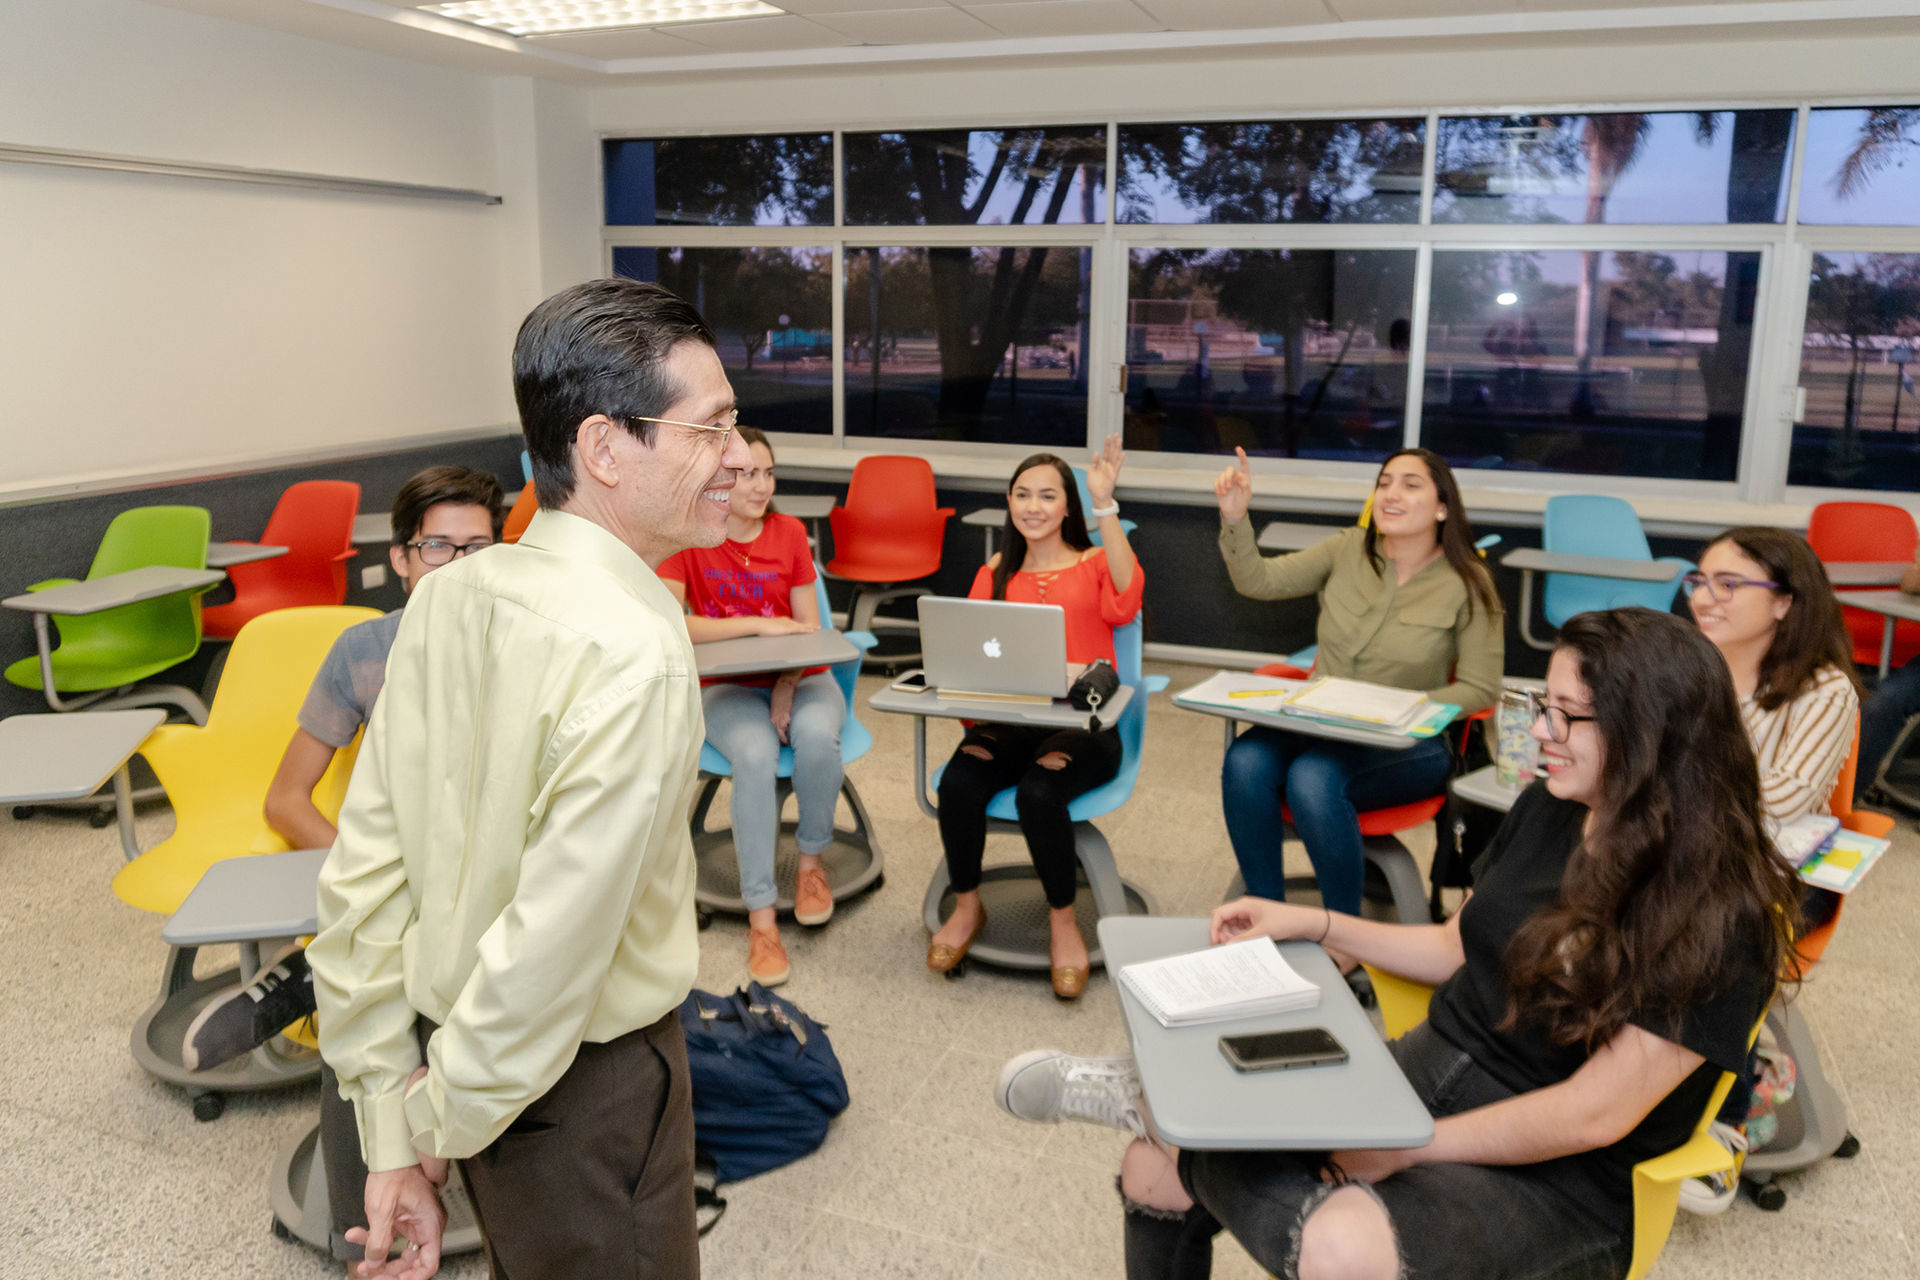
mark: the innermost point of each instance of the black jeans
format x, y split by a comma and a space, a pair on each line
1454, 1221
970, 783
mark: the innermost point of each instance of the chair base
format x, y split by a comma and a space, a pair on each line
1016, 933
1396, 866
159, 1033
853, 862
1813, 1123
303, 1211
1898, 794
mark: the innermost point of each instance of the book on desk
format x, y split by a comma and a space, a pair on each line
1329, 699
1236, 980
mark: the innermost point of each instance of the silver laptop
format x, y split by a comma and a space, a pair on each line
994, 649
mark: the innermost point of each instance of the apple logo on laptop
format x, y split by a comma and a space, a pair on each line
991, 648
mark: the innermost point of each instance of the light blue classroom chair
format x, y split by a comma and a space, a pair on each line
1588, 524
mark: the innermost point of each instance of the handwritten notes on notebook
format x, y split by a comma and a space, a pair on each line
1237, 980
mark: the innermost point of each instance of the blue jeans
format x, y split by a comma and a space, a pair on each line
740, 727
1516, 1222
1886, 713
1325, 784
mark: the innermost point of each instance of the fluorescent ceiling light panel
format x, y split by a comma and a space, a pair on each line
550, 17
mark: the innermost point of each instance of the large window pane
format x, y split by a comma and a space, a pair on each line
1591, 362
1271, 171
976, 177
765, 180
968, 343
1861, 429
1298, 353
1863, 167
1667, 166
772, 310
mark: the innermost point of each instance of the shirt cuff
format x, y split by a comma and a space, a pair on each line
422, 1121
385, 1136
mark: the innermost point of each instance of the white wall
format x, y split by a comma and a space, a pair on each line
1585, 69
158, 324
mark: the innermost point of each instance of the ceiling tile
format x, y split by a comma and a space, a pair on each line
911, 26
759, 35
810, 7
1065, 18
1215, 15
629, 43
1369, 10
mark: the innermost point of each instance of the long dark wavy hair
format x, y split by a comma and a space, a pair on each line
755, 436
1676, 883
1013, 545
1813, 634
1456, 533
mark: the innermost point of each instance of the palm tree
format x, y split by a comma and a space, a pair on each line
1611, 143
1883, 136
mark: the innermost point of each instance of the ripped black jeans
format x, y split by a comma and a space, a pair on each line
970, 783
1451, 1221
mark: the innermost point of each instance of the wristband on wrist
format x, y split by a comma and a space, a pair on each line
1101, 513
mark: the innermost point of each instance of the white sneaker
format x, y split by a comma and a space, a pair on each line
1047, 1086
1716, 1192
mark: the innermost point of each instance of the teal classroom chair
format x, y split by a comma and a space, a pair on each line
853, 861
100, 653
1587, 524
1111, 895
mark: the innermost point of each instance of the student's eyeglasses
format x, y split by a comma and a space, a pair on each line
434, 552
1721, 586
719, 434
1559, 722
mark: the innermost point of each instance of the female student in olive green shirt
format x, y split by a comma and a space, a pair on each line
1404, 602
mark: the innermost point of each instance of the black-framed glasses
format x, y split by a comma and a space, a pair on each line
1721, 586
434, 552
1560, 722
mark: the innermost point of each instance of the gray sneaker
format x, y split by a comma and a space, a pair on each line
1047, 1086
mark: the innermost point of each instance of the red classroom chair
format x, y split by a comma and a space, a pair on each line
314, 521
889, 531
1843, 531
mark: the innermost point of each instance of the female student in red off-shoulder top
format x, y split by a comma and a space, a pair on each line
1046, 558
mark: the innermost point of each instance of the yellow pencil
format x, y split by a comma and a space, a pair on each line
1257, 693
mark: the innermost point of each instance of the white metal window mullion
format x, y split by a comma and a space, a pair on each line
1417, 345
837, 288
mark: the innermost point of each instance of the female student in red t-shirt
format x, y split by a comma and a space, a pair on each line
1045, 558
759, 582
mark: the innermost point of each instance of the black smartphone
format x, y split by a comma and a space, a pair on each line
912, 682
1283, 1050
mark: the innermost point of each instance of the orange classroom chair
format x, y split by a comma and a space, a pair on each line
314, 521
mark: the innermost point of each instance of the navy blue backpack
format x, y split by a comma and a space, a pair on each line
765, 1081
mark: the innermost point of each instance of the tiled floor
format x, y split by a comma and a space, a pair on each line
104, 1172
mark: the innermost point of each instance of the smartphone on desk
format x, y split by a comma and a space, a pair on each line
1283, 1050
912, 682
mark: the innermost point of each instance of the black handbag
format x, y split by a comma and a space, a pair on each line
1095, 687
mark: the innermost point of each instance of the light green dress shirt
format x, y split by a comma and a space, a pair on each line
1424, 634
514, 859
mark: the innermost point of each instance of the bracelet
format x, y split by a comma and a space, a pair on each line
1327, 929
1101, 513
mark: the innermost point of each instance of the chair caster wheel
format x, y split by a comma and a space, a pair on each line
100, 818
209, 1106
280, 1230
879, 882
1769, 1196
702, 918
1849, 1148
21, 812
958, 971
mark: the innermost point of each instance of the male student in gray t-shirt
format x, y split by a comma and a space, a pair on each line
439, 515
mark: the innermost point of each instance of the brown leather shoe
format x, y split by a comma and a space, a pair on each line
766, 958
1069, 981
812, 897
941, 957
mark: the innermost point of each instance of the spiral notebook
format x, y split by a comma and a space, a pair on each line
1236, 980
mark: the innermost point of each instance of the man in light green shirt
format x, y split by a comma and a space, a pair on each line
506, 919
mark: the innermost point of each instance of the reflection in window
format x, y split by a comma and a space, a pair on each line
976, 177
1630, 167
1861, 428
763, 180
1863, 167
1271, 171
772, 310
968, 343
1297, 353
1592, 362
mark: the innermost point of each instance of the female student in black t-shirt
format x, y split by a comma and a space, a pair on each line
1625, 931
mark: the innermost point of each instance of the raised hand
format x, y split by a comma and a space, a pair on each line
1103, 471
1233, 488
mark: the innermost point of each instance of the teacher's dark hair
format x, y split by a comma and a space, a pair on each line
598, 347
1676, 885
1013, 544
1456, 533
1813, 634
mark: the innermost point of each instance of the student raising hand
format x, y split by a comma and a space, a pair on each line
1234, 488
